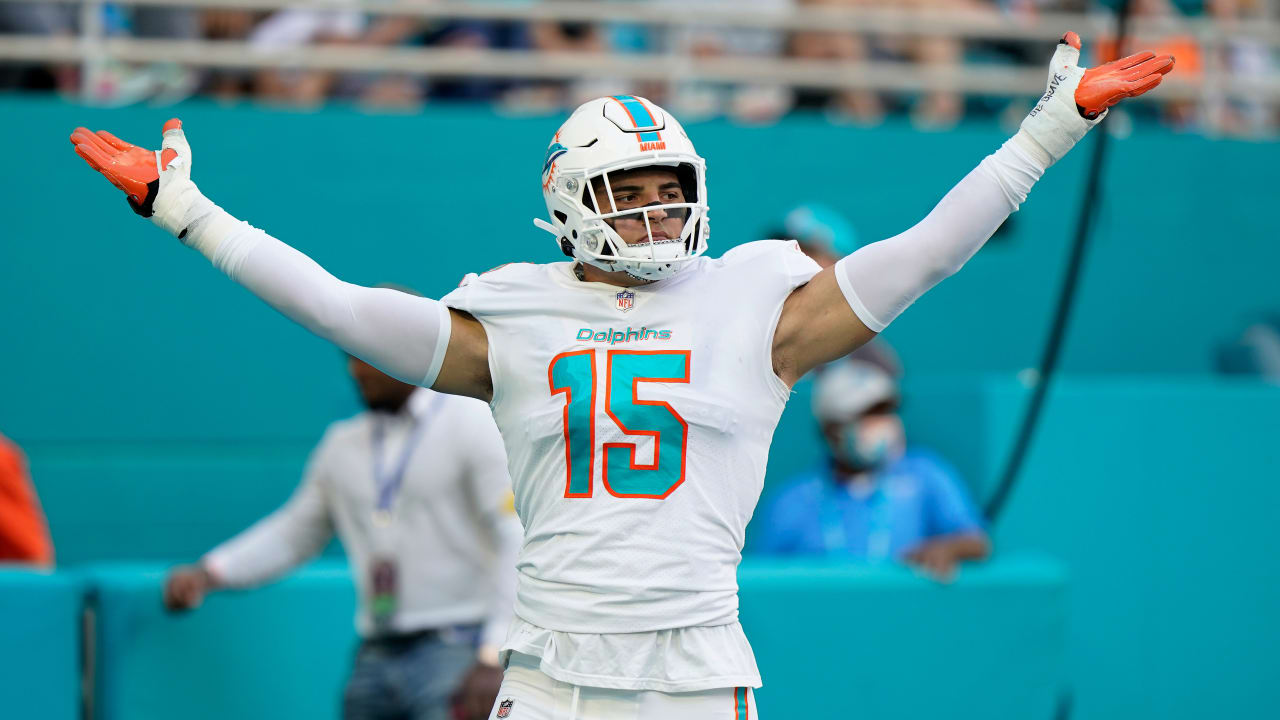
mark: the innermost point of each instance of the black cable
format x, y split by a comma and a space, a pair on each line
1062, 313
1066, 704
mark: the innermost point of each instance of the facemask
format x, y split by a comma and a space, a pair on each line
871, 442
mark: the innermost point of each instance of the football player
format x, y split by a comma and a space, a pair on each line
636, 408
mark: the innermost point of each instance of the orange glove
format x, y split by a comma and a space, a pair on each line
157, 184
1076, 99
134, 170
1105, 85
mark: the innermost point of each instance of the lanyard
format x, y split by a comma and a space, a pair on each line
388, 484
835, 536
834, 520
879, 532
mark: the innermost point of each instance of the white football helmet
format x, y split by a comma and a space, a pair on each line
609, 136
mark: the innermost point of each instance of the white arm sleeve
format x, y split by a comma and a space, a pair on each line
279, 542
403, 335
882, 279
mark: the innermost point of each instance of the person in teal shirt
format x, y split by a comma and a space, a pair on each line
874, 497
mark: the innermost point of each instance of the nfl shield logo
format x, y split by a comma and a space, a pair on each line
504, 708
626, 300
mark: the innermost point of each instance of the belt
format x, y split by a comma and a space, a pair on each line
403, 640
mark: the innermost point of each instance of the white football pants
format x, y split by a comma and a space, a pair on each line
529, 694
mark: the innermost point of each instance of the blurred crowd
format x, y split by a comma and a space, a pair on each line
303, 25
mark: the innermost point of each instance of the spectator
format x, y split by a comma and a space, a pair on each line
416, 489
296, 27
559, 39
1256, 351
822, 232
1244, 58
24, 536
873, 497
938, 107
35, 18
398, 90
756, 102
109, 80
861, 105
233, 26
166, 82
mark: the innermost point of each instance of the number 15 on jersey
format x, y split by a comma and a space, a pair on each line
575, 375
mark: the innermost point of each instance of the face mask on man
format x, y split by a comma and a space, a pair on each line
871, 442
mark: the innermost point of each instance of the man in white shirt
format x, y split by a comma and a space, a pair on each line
417, 489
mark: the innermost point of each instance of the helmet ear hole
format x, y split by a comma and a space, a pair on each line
688, 178
566, 247
561, 216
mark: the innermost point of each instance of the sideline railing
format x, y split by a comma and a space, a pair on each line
92, 47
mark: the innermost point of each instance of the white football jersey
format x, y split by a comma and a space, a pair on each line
637, 424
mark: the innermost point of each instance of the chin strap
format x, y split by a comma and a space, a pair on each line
565, 246
568, 249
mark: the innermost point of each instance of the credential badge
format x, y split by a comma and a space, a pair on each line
626, 300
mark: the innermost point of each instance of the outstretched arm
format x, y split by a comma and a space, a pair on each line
845, 305
417, 340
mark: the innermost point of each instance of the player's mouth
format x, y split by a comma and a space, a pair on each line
654, 238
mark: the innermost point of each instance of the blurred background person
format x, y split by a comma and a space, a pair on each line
1242, 57
162, 82
823, 233
1254, 351
402, 91
756, 102
38, 18
872, 497
559, 38
24, 535
296, 27
939, 107
924, 60
860, 105
416, 488
107, 81
230, 25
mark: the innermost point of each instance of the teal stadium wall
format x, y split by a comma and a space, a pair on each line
40, 644
261, 654
163, 408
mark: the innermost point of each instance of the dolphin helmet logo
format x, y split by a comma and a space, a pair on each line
553, 153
